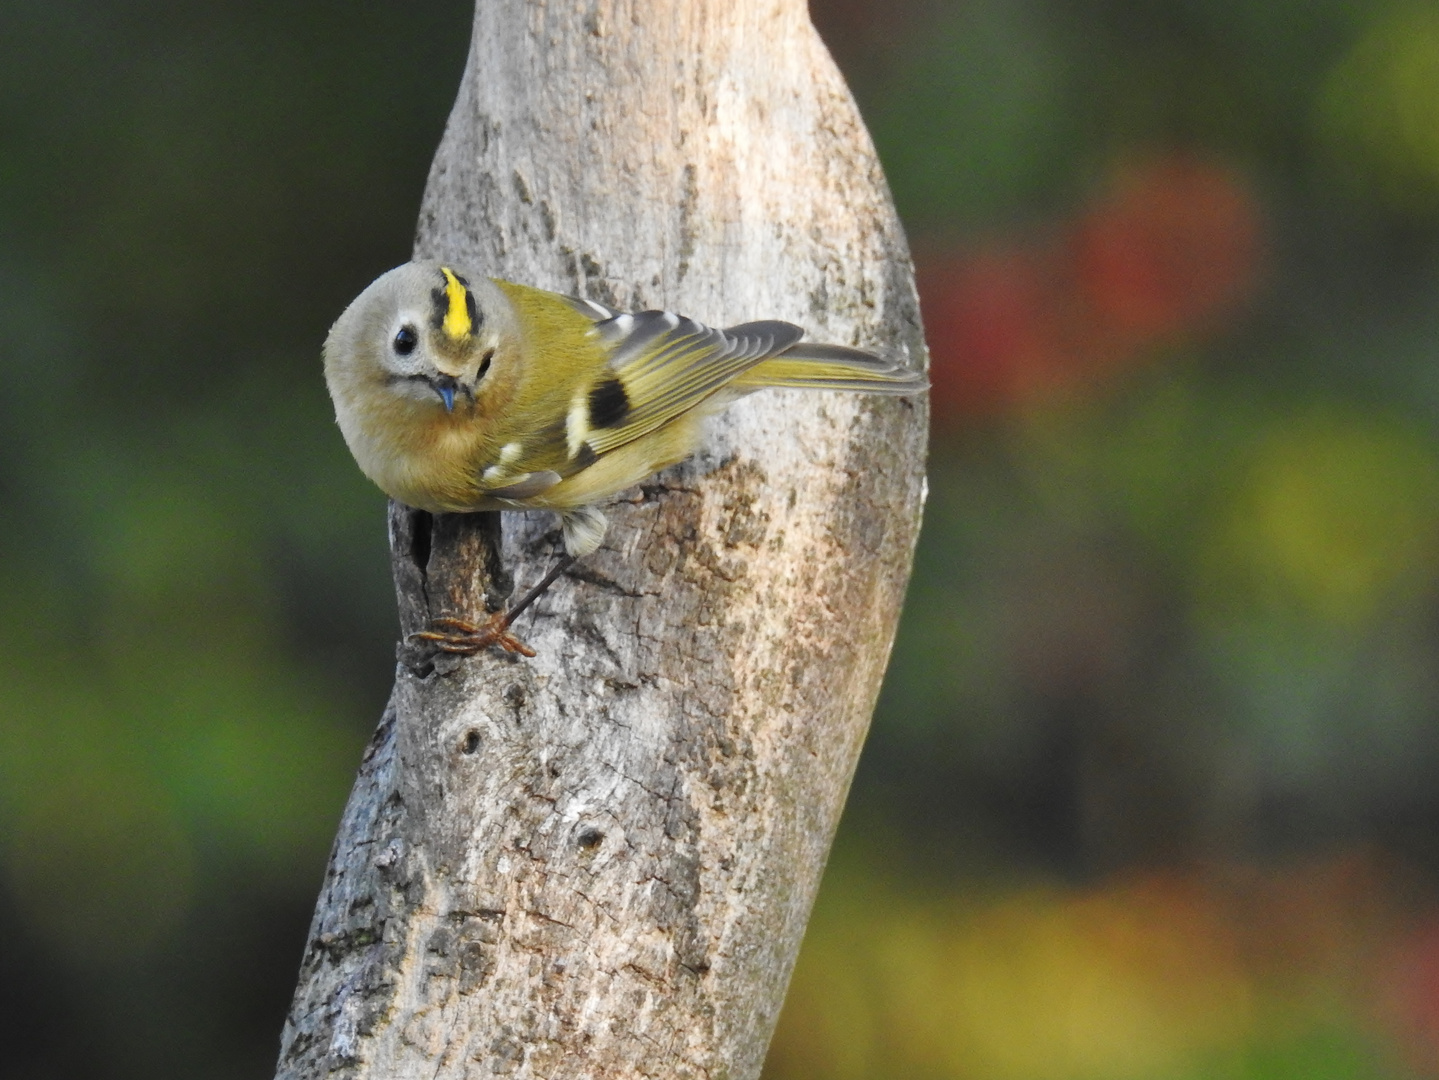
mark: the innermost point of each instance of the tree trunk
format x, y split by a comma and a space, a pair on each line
599, 862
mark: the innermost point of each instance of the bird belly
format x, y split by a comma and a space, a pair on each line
444, 475
623, 467
438, 473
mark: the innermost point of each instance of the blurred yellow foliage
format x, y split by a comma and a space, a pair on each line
1327, 515
1379, 110
1040, 984
1234, 971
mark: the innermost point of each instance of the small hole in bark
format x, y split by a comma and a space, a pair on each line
589, 839
471, 742
422, 527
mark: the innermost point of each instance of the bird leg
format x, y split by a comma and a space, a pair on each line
460, 636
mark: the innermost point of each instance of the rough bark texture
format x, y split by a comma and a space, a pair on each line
599, 863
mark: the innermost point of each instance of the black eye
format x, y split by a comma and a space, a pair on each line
405, 340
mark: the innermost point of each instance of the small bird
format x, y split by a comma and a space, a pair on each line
458, 392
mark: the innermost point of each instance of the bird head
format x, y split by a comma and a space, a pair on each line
423, 335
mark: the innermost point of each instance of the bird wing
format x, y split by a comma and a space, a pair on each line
525, 486
592, 309
661, 365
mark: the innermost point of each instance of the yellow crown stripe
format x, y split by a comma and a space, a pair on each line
457, 322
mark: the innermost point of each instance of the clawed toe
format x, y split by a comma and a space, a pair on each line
463, 638
461, 626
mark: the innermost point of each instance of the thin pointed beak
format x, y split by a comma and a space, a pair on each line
445, 386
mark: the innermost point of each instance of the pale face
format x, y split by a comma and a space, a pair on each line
426, 328
417, 373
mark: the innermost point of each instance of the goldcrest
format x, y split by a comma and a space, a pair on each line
458, 392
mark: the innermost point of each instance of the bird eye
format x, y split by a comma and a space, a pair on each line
406, 340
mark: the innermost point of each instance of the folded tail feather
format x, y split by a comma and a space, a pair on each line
831, 367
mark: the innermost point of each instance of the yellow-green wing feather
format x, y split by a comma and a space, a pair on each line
831, 367
659, 366
663, 365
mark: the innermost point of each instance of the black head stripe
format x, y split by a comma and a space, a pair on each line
441, 308
608, 404
475, 317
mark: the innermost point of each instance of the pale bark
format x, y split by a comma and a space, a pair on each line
599, 862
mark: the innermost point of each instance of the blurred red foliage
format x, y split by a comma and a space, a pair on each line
1408, 994
1167, 250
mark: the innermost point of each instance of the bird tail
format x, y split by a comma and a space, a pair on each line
831, 367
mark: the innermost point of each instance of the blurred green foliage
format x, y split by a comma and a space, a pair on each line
196, 634
1150, 793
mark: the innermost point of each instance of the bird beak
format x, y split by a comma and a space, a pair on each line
445, 386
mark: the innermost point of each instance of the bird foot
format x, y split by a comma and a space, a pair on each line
464, 638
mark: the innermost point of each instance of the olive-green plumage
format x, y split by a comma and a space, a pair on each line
457, 392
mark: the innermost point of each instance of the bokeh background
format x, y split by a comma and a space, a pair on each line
1151, 793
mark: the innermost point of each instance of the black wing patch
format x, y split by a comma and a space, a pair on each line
665, 365
608, 404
